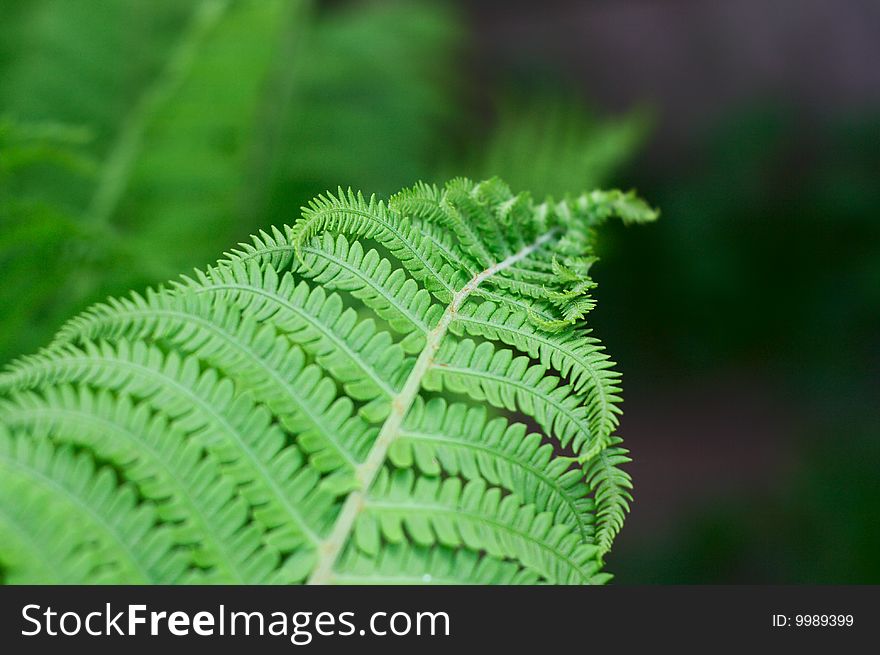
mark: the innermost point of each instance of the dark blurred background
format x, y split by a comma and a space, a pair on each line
139, 138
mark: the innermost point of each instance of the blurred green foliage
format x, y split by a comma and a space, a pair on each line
39, 234
553, 145
206, 120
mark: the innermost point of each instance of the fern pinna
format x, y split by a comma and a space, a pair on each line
382, 393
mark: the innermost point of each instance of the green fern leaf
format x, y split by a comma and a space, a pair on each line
382, 392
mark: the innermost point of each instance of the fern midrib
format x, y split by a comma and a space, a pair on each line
330, 548
449, 253
120, 161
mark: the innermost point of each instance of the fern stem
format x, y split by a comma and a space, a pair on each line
121, 159
330, 548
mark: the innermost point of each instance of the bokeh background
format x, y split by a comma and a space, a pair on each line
140, 138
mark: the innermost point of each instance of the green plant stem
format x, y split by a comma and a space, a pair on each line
330, 548
119, 163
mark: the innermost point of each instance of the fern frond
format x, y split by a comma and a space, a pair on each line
378, 283
267, 366
577, 356
349, 213
612, 489
463, 441
512, 383
37, 548
187, 486
598, 206
343, 400
273, 475
428, 511
91, 507
337, 264
367, 362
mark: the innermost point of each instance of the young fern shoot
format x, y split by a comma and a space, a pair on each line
399, 392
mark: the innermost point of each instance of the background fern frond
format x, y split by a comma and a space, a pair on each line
552, 144
224, 114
